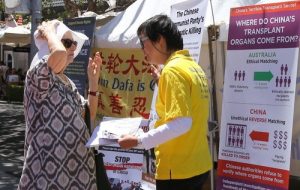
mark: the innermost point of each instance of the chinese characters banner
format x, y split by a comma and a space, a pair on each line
126, 85
259, 97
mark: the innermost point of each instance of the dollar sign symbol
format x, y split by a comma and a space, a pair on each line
284, 145
280, 134
274, 144
279, 145
285, 135
275, 134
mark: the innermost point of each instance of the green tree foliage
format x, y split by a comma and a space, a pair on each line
2, 7
72, 7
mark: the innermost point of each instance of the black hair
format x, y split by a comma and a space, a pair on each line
164, 26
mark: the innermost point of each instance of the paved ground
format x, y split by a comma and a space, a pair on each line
12, 130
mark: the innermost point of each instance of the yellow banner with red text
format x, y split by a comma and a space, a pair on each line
125, 85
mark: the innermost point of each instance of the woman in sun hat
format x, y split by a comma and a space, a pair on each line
56, 134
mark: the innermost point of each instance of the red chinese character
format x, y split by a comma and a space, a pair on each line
146, 67
113, 63
139, 107
115, 103
131, 62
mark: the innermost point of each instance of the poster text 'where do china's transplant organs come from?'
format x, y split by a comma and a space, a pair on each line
259, 96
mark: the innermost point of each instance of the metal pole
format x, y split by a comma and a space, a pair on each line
213, 34
36, 17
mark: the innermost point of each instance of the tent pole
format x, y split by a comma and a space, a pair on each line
213, 34
36, 18
223, 57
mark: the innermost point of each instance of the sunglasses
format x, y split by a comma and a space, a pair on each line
142, 40
68, 42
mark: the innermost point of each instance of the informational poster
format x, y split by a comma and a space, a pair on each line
123, 167
126, 85
259, 97
189, 17
77, 71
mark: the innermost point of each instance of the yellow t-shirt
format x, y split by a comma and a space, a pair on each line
183, 92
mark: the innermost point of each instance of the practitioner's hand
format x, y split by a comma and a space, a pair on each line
155, 72
94, 71
128, 141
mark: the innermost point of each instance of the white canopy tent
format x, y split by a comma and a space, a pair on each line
120, 32
18, 34
15, 36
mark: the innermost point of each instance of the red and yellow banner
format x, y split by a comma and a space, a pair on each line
126, 85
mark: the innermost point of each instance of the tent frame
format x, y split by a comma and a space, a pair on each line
213, 32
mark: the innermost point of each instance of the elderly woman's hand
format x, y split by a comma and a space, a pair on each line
46, 28
94, 71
